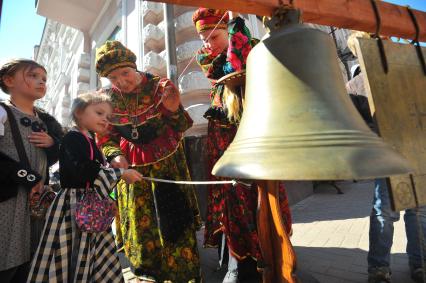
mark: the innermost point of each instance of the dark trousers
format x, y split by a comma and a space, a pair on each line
247, 268
17, 274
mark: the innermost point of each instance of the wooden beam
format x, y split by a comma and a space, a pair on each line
256, 7
350, 14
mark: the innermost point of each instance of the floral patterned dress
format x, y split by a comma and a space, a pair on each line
158, 153
231, 210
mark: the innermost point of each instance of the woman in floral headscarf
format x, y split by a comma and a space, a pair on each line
157, 222
231, 211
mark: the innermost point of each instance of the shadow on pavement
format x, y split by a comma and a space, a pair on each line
325, 204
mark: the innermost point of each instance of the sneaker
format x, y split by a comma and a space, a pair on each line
231, 277
379, 275
417, 275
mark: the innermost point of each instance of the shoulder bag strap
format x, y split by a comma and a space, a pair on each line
91, 153
19, 144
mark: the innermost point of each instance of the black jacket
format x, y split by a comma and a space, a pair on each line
55, 131
14, 173
76, 168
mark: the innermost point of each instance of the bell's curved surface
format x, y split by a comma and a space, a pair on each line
299, 122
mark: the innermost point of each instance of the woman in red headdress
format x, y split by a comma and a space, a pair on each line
231, 211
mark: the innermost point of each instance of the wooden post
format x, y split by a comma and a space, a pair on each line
350, 14
278, 253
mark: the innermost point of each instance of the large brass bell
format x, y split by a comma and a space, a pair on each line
298, 121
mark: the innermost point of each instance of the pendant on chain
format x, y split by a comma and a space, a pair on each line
135, 133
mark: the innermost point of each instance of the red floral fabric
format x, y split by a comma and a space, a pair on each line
232, 210
154, 122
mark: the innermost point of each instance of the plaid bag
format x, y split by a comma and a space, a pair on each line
94, 214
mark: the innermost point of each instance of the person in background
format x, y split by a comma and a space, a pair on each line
382, 216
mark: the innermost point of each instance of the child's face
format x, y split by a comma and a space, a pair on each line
28, 83
217, 42
95, 117
126, 79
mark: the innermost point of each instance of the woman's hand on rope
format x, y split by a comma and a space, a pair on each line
131, 176
119, 162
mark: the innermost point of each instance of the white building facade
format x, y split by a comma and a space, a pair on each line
68, 48
74, 29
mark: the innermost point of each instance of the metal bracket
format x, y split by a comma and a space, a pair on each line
378, 38
285, 14
415, 41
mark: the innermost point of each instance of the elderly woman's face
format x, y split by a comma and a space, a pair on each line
216, 42
126, 79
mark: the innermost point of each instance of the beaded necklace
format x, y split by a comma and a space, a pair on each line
134, 120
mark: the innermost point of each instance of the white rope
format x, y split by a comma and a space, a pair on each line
233, 182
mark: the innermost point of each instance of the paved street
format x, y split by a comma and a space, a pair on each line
330, 237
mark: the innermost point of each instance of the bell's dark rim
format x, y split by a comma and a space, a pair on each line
233, 79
